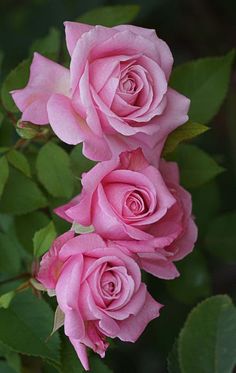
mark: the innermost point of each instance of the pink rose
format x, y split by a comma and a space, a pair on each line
99, 290
115, 96
127, 199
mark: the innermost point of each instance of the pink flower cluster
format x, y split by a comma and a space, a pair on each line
115, 99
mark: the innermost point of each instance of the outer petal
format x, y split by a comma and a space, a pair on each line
185, 244
81, 212
81, 244
65, 122
132, 328
73, 31
81, 352
50, 263
46, 78
158, 265
169, 171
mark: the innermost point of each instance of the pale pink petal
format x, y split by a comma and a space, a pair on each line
50, 264
74, 31
90, 182
134, 160
132, 327
46, 78
165, 55
84, 51
65, 122
81, 351
81, 244
169, 171
62, 211
185, 244
158, 265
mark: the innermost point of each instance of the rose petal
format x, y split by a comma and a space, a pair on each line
65, 122
46, 78
74, 31
132, 328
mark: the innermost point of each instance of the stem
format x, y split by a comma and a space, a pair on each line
18, 277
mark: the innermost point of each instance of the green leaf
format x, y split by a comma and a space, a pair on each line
1, 118
110, 16
21, 195
7, 132
19, 161
98, 366
54, 170
27, 225
4, 149
187, 131
6, 299
221, 237
12, 358
173, 360
4, 173
5, 368
194, 280
205, 82
49, 45
70, 360
25, 327
9, 254
80, 163
16, 79
207, 342
43, 239
206, 205
1, 59
196, 166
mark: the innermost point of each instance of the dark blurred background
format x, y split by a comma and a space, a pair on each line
193, 29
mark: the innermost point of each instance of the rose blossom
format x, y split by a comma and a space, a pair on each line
127, 199
114, 97
99, 290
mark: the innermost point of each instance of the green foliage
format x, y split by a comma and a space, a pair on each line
54, 170
16, 79
187, 131
49, 45
110, 16
205, 82
27, 130
4, 173
207, 342
173, 360
19, 161
206, 205
194, 280
196, 166
98, 366
10, 260
12, 358
27, 225
39, 175
1, 118
79, 162
69, 359
21, 195
5, 368
25, 327
221, 237
43, 239
6, 299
